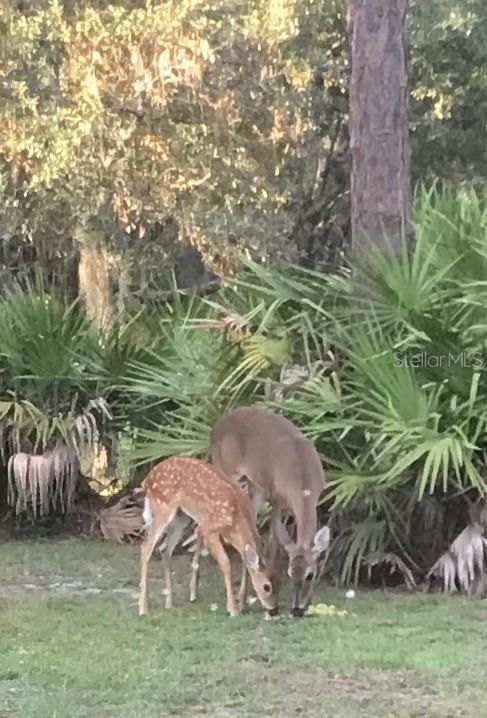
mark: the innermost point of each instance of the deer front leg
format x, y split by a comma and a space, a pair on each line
145, 554
275, 550
257, 498
215, 546
242, 591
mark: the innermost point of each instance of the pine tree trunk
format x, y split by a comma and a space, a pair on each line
381, 195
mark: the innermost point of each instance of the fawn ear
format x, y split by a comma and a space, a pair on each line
321, 540
251, 557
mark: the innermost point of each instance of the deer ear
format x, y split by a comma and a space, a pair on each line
251, 557
321, 540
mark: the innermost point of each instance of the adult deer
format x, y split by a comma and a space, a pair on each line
181, 488
282, 466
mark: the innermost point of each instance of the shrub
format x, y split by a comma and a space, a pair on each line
394, 389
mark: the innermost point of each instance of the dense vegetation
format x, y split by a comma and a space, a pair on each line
131, 129
391, 383
146, 146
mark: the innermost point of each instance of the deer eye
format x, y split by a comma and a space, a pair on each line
267, 587
309, 576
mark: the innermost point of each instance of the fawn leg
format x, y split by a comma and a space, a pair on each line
257, 500
215, 546
195, 567
155, 531
242, 591
175, 533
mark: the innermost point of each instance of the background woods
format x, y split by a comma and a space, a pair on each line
132, 132
210, 146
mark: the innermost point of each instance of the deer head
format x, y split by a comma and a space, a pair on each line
264, 581
303, 565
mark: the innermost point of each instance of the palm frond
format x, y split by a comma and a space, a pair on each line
121, 521
464, 563
43, 482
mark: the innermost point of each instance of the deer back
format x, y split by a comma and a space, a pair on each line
270, 451
200, 491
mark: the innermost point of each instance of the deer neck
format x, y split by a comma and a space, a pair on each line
306, 522
242, 535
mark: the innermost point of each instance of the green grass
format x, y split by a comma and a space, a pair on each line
85, 652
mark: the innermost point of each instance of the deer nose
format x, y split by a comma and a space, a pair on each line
296, 595
298, 604
273, 611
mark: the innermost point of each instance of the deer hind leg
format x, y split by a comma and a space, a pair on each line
195, 567
155, 532
175, 532
216, 548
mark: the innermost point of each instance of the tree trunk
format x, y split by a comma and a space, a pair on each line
94, 277
381, 195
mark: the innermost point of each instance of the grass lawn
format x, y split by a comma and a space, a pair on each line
72, 646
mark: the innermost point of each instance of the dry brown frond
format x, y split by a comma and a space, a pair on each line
445, 570
121, 521
463, 564
47, 481
43, 481
226, 321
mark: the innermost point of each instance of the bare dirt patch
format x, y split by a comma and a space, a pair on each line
61, 586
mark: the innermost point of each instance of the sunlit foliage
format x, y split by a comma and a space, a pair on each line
188, 111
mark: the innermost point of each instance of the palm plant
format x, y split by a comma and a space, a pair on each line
41, 338
52, 412
179, 391
391, 381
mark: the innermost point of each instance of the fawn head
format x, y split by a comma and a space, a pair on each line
263, 579
303, 565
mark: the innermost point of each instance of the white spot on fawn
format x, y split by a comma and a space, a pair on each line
306, 492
